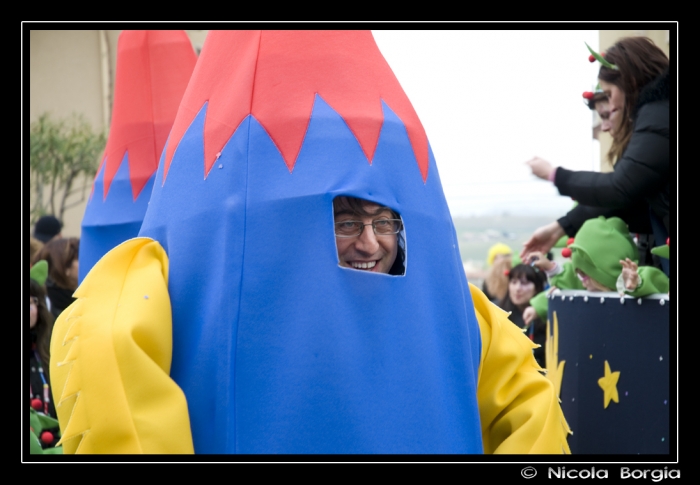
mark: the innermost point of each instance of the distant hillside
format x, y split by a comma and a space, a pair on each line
477, 234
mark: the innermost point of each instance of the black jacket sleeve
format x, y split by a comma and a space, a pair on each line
640, 174
636, 216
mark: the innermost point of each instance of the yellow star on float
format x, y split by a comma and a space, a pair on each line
555, 369
608, 383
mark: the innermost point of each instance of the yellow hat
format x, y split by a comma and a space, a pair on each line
497, 249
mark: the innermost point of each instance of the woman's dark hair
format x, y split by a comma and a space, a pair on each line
639, 61
44, 324
59, 254
356, 206
528, 272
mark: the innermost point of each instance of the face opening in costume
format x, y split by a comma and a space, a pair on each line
368, 236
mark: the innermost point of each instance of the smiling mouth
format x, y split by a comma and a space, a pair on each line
363, 265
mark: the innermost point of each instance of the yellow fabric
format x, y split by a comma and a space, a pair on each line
111, 354
495, 250
112, 350
519, 407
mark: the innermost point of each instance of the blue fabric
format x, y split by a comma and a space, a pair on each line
110, 221
277, 348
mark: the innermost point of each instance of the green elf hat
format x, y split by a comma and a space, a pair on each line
561, 243
39, 425
39, 272
599, 246
661, 251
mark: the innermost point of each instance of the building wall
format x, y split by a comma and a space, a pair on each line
73, 71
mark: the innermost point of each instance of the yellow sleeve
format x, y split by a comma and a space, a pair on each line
111, 352
519, 407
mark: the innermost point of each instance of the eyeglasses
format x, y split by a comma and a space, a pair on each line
33, 300
381, 227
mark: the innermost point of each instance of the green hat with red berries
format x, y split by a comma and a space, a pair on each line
599, 246
592, 97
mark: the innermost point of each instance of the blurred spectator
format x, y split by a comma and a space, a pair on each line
34, 246
47, 228
61, 254
499, 261
524, 283
44, 427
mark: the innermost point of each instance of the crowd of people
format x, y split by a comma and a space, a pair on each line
405, 307
617, 233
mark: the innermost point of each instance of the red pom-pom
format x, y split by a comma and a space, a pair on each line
506, 272
602, 54
566, 252
588, 94
591, 58
668, 241
47, 437
37, 404
570, 241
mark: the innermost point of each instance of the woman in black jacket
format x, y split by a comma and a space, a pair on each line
634, 75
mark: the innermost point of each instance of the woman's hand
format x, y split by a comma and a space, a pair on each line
630, 276
540, 168
542, 240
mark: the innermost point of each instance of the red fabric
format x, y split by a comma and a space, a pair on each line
274, 75
153, 69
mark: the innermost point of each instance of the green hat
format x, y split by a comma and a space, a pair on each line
561, 243
661, 251
599, 246
39, 272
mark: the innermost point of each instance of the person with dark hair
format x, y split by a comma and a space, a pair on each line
47, 228
62, 257
381, 250
634, 75
524, 283
44, 426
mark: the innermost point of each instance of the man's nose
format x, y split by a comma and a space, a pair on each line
367, 241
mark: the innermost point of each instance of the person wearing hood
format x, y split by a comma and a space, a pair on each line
296, 286
604, 257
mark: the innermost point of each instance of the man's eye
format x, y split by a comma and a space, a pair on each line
348, 224
382, 223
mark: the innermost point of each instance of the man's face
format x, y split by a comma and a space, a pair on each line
368, 251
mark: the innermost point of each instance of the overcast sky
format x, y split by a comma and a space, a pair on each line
491, 100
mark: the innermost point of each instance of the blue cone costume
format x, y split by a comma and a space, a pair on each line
153, 68
275, 348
